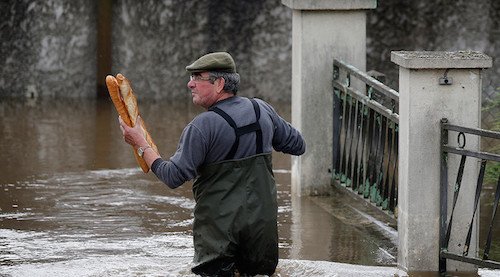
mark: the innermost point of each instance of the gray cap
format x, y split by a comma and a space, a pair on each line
218, 61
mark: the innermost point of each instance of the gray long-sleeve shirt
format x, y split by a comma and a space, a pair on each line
208, 139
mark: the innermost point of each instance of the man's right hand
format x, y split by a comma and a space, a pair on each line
133, 135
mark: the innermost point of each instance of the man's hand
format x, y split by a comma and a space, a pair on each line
133, 135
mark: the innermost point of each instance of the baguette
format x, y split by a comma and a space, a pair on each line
125, 102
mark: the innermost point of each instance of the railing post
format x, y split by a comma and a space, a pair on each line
321, 30
432, 86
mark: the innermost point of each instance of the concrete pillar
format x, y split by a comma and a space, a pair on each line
423, 102
321, 30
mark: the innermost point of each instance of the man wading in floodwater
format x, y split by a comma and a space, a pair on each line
228, 150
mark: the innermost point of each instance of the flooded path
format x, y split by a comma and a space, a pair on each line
119, 223
74, 203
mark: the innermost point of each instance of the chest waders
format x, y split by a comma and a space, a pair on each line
235, 217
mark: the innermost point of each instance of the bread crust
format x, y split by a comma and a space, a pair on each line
125, 103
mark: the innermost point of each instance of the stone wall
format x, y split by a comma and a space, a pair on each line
434, 26
47, 48
154, 41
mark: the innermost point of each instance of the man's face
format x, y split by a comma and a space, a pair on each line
203, 90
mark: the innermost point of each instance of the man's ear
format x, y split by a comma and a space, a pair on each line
220, 82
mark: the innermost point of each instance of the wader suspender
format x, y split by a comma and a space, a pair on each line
254, 127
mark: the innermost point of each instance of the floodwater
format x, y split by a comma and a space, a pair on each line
74, 203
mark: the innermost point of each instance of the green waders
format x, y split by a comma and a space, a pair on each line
235, 217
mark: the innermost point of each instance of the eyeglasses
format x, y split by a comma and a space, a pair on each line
199, 78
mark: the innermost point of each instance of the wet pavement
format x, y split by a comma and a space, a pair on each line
74, 203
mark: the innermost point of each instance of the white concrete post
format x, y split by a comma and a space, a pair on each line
321, 30
423, 102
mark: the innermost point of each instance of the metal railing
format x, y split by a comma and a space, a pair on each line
446, 225
365, 136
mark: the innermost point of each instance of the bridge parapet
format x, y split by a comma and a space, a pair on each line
321, 30
433, 85
365, 136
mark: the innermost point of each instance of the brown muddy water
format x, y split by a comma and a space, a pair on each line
74, 203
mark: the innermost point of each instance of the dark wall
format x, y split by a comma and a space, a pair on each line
49, 47
154, 41
434, 25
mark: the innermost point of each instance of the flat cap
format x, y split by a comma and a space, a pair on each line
217, 61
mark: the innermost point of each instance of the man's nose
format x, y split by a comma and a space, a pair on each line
191, 84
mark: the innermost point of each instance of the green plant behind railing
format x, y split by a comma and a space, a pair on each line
491, 121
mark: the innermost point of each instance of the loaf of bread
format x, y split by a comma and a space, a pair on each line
125, 102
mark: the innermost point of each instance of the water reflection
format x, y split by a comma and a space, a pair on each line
73, 201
